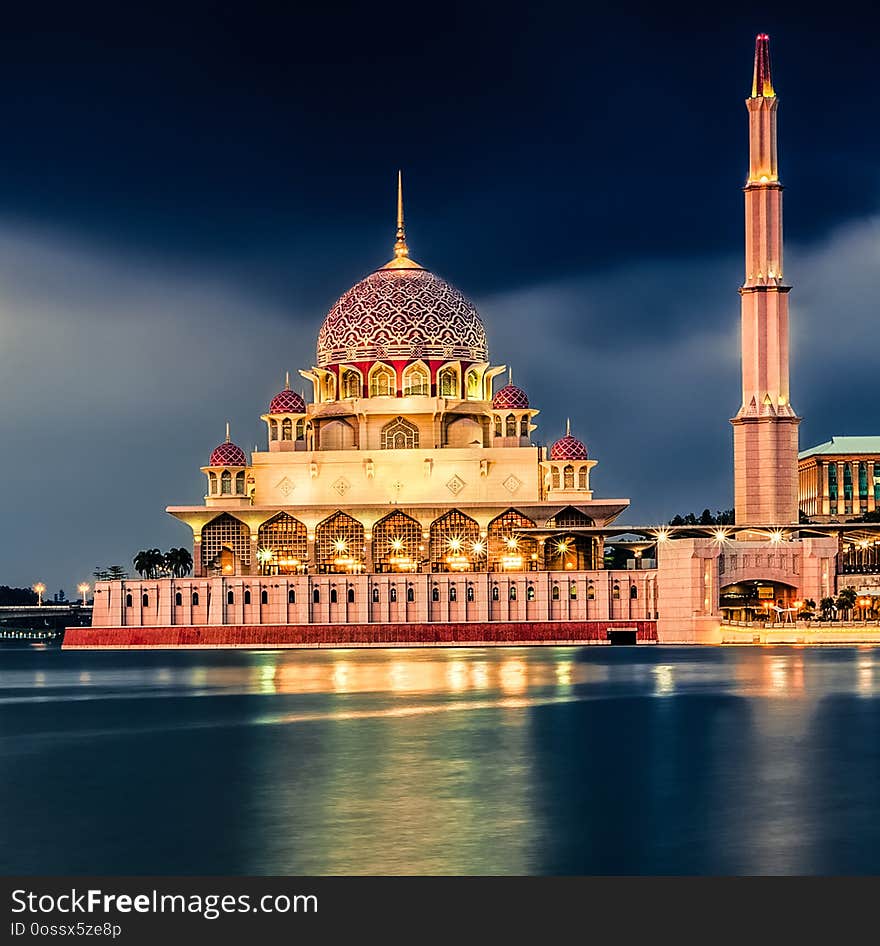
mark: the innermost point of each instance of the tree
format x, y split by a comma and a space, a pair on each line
148, 563
808, 609
827, 607
17, 596
706, 518
117, 573
178, 562
846, 599
101, 574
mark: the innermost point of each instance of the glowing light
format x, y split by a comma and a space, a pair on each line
776, 537
662, 535
454, 544
397, 544
720, 535
340, 545
265, 555
512, 561
479, 548
511, 543
562, 547
83, 589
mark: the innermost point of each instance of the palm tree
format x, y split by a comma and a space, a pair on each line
148, 563
827, 606
178, 561
846, 599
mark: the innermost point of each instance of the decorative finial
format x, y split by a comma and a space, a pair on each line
400, 247
567, 426
227, 432
510, 375
762, 84
286, 380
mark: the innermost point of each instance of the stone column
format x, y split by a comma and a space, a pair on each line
856, 498
841, 501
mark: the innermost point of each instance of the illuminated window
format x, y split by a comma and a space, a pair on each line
375, 596
212, 479
239, 483
383, 382
555, 477
416, 382
392, 594
351, 595
455, 543
470, 592
273, 429
283, 545
226, 483
573, 591
555, 593
435, 593
512, 592
351, 383
334, 598
291, 596
568, 477
453, 594
472, 383
582, 478
328, 387
230, 597
264, 597
591, 592
615, 592
447, 382
495, 594
530, 593
247, 597
508, 549
225, 537
400, 434
396, 541
195, 599
410, 595
339, 543
287, 429
300, 428
510, 426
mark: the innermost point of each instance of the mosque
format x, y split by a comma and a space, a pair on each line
406, 499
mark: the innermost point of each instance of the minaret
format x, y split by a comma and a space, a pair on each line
765, 429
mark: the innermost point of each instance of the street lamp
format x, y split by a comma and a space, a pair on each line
39, 589
83, 589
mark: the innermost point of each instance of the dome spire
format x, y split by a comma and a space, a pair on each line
227, 433
286, 380
401, 248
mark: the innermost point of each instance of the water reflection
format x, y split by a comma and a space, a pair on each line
544, 760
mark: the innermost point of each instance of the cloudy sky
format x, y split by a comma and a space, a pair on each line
182, 199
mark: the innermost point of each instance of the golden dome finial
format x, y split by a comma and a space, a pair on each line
567, 426
227, 432
401, 249
286, 380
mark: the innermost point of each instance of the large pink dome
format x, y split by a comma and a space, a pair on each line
402, 314
287, 402
510, 397
568, 448
228, 454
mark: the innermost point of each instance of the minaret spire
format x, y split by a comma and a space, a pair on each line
567, 426
401, 247
286, 380
762, 84
227, 432
765, 437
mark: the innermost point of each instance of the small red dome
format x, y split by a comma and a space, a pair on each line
287, 402
568, 448
510, 397
228, 454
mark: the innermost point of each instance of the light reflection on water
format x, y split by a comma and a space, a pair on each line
509, 760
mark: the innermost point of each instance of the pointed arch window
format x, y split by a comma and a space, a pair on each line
435, 593
316, 596
568, 477
582, 478
351, 595
226, 483
497, 425
273, 429
264, 597
410, 594
416, 382
339, 543
400, 434
447, 382
472, 384
510, 426
287, 429
524, 426
283, 545
247, 596
455, 543
239, 483
195, 599
554, 477
555, 593
392, 594
383, 382
495, 594
334, 597
470, 592
375, 596
351, 383
396, 541
212, 478
291, 596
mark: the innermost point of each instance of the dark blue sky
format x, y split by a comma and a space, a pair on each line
183, 194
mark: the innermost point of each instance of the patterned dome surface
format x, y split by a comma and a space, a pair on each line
510, 397
401, 314
228, 454
287, 402
568, 448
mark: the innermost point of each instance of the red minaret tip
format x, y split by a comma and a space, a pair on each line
762, 85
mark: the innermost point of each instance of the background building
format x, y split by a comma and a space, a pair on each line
840, 480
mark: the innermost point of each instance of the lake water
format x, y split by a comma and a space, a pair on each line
528, 761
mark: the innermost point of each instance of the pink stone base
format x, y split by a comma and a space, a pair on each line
524, 633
